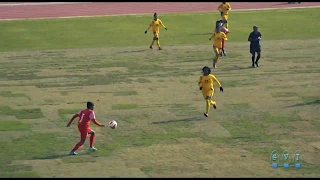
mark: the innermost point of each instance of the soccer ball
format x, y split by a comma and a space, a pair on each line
113, 124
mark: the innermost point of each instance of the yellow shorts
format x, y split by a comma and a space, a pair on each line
224, 17
155, 34
217, 51
207, 93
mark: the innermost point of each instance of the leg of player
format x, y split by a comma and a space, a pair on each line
152, 42
223, 49
158, 41
153, 39
83, 136
216, 57
208, 103
76, 147
258, 57
92, 135
252, 51
212, 102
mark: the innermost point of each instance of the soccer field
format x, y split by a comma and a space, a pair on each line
51, 67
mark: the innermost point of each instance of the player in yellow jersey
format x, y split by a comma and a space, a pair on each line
155, 25
206, 86
224, 8
218, 36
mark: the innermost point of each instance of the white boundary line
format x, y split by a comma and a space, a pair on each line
168, 13
39, 4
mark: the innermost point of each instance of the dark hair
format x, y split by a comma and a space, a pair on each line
206, 67
90, 105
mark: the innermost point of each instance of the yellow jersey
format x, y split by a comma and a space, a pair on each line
217, 38
155, 24
224, 8
206, 82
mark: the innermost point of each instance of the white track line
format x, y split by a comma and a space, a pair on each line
40, 4
168, 13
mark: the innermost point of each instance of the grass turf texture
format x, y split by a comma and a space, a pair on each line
50, 68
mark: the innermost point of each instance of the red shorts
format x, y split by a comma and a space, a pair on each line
84, 132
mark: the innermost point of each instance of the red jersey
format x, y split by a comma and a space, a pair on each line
225, 30
86, 116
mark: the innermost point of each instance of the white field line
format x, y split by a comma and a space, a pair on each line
39, 4
168, 13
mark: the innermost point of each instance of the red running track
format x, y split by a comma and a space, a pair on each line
118, 8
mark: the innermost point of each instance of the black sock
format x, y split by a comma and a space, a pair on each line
258, 57
252, 58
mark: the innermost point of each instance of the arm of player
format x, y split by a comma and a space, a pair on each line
228, 7
199, 83
250, 37
218, 82
220, 8
97, 123
163, 25
92, 116
148, 27
212, 36
225, 37
73, 117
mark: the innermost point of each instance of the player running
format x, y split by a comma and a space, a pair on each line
224, 9
226, 31
86, 116
206, 86
217, 37
155, 23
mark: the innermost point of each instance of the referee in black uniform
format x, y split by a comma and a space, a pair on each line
254, 38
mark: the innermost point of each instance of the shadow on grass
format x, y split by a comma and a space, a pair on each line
197, 34
57, 156
180, 120
240, 67
304, 104
136, 51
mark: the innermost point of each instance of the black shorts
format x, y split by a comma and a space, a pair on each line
254, 49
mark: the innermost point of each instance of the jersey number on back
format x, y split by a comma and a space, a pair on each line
206, 81
82, 117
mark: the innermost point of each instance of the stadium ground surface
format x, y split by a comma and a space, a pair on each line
46, 77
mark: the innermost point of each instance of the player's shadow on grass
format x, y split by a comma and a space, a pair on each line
201, 34
136, 51
56, 156
180, 120
238, 68
304, 104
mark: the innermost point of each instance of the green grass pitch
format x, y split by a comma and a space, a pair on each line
51, 67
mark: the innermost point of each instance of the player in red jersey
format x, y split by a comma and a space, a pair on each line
85, 117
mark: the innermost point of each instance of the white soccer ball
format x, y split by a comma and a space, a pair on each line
113, 124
